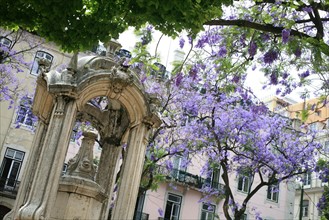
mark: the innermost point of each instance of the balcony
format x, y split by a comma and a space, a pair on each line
9, 187
141, 216
189, 179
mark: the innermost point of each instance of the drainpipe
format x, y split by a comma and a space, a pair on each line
301, 202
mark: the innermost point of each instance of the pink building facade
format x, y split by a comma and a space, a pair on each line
181, 198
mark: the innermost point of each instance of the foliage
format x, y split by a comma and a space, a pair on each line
206, 113
286, 40
79, 24
232, 132
13, 64
323, 205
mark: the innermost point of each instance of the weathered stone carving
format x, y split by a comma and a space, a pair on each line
82, 164
128, 118
59, 111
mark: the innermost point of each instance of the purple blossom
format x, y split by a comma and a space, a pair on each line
179, 79
285, 75
181, 42
265, 37
304, 74
222, 51
307, 9
285, 35
160, 211
270, 56
298, 52
252, 48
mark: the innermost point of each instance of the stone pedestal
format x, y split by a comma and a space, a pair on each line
78, 198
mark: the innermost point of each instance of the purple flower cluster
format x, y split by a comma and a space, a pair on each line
285, 35
181, 42
252, 48
270, 56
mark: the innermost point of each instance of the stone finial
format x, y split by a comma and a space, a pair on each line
44, 66
82, 163
73, 65
111, 47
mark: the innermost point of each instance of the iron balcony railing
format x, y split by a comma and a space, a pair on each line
141, 216
9, 186
189, 178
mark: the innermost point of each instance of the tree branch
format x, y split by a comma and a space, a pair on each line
255, 26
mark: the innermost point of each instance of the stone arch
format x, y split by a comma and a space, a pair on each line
130, 96
60, 96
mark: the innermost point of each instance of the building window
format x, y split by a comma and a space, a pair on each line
326, 146
5, 42
64, 170
173, 207
215, 176
244, 183
35, 70
305, 208
10, 168
179, 170
24, 113
273, 193
208, 211
307, 178
313, 126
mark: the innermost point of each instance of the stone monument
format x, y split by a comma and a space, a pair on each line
60, 99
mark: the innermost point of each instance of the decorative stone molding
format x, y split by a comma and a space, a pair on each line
111, 47
60, 107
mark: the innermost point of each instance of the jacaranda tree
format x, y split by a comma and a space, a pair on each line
202, 119
13, 63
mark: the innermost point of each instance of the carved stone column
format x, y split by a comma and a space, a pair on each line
132, 170
29, 174
82, 164
107, 173
115, 123
44, 186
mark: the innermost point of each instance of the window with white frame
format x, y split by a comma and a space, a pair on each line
307, 178
24, 113
273, 192
5, 42
305, 206
172, 207
326, 146
35, 70
208, 211
313, 126
244, 183
10, 168
179, 169
215, 177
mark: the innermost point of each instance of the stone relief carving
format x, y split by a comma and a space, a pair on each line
60, 107
82, 163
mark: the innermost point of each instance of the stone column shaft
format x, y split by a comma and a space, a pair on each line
44, 187
28, 175
131, 175
107, 172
